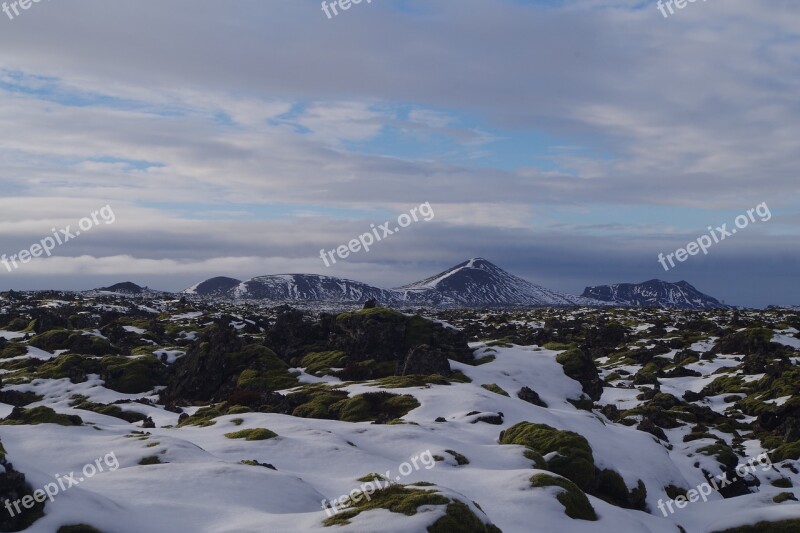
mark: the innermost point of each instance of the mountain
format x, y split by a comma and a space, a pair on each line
309, 288
654, 293
218, 286
126, 287
478, 283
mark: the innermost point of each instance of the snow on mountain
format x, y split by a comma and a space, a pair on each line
309, 287
654, 293
478, 282
213, 287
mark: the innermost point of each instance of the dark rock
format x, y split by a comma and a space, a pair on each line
425, 361
13, 487
529, 395
649, 427
495, 419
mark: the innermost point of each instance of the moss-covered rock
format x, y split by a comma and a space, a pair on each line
252, 434
396, 499
320, 363
574, 458
493, 387
132, 375
461, 460
39, 415
459, 518
204, 417
784, 497
576, 504
582, 369
81, 402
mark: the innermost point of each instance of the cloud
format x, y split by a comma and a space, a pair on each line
216, 128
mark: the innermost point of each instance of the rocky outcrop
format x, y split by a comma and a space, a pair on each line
425, 360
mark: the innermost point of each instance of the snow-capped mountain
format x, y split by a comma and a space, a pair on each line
308, 288
478, 282
654, 293
218, 286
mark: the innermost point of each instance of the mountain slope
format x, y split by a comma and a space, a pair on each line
218, 286
654, 293
478, 282
309, 287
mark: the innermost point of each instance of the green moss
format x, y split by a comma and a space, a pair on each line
374, 405
396, 499
252, 434
576, 504
574, 459
239, 410
786, 451
150, 460
411, 380
318, 403
81, 402
13, 350
459, 377
132, 375
459, 518
264, 369
783, 497
320, 363
782, 483
372, 477
722, 453
204, 417
558, 346
784, 526
492, 387
505, 342
252, 380
39, 415
460, 459
74, 367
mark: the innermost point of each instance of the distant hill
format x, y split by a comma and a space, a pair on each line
479, 283
294, 288
473, 283
126, 287
218, 286
654, 293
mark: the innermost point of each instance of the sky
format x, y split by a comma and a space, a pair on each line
570, 142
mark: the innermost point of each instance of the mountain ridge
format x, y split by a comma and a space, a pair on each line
655, 293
